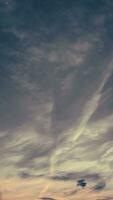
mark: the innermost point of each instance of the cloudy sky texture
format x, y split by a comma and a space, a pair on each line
56, 99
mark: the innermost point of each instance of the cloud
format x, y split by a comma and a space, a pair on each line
74, 176
106, 198
47, 198
56, 79
100, 186
26, 175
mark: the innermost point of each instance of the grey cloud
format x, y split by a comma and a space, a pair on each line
47, 198
100, 186
66, 177
31, 153
26, 175
105, 107
77, 175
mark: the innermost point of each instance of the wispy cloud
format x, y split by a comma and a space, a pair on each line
56, 109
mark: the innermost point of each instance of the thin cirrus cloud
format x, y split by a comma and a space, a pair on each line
56, 107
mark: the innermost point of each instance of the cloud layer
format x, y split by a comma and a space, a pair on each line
56, 83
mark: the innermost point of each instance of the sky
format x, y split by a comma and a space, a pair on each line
56, 99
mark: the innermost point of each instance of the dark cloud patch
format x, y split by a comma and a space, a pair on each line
27, 175
65, 177
94, 177
74, 176
100, 186
47, 198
